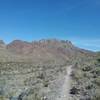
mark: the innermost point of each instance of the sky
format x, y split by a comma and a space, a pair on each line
74, 20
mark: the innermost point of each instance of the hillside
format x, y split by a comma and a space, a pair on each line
37, 70
43, 51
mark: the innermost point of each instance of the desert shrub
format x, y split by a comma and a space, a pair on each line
96, 71
97, 81
45, 83
96, 98
41, 76
74, 91
98, 60
90, 86
87, 68
76, 75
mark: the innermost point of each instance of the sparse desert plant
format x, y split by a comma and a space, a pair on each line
3, 98
77, 74
74, 91
45, 83
98, 60
96, 98
87, 68
97, 81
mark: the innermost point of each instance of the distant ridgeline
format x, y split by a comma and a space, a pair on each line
43, 51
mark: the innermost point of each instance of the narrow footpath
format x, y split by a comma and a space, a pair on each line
65, 88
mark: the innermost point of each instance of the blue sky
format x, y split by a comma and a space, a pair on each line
75, 20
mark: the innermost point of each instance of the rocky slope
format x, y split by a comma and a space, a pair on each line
43, 51
36, 70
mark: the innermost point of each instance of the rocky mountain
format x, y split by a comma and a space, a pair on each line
43, 51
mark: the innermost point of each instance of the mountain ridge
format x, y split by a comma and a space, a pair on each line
44, 50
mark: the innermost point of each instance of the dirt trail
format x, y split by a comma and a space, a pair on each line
65, 88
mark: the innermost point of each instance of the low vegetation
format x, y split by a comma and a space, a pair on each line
86, 80
31, 70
